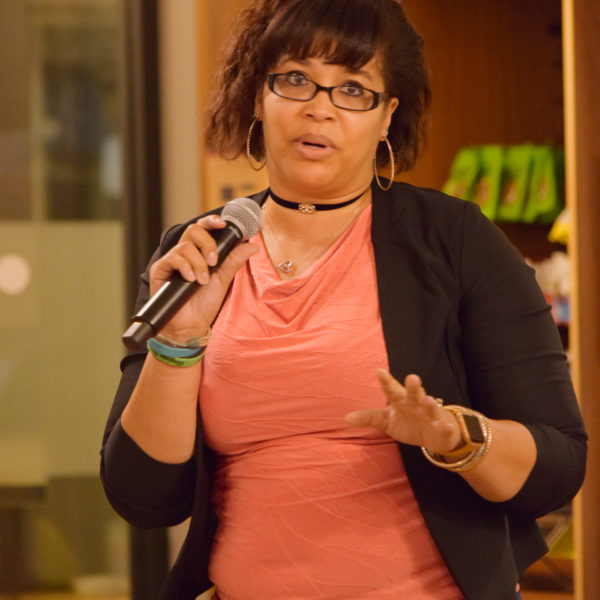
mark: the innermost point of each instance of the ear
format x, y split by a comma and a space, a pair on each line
389, 108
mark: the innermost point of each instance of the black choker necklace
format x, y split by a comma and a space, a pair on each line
309, 209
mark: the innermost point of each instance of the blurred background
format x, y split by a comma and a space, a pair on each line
101, 148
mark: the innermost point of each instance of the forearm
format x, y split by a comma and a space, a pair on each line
161, 413
507, 465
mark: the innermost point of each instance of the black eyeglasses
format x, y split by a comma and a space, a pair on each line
295, 85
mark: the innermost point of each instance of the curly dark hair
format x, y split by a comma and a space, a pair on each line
347, 32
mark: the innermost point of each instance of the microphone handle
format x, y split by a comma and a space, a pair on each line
159, 309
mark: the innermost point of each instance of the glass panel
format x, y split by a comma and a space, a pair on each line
61, 293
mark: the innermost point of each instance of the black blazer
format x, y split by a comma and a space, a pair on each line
460, 308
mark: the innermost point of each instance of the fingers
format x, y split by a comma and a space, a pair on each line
376, 418
193, 255
411, 394
412, 391
411, 416
235, 261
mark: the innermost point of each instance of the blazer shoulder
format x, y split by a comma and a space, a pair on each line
418, 213
435, 204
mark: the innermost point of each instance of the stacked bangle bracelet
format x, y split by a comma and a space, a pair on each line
472, 458
178, 355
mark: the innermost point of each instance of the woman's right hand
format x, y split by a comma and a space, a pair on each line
192, 257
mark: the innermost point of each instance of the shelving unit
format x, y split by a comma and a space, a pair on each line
581, 23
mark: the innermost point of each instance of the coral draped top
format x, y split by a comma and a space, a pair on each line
309, 507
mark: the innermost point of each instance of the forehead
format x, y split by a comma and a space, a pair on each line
370, 70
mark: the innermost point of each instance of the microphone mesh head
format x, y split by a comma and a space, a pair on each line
245, 214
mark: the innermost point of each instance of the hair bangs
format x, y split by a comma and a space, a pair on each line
338, 31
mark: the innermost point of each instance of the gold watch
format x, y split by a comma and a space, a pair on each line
472, 430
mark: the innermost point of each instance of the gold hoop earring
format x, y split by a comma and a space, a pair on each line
256, 166
392, 163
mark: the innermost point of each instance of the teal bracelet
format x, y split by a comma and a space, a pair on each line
155, 346
174, 361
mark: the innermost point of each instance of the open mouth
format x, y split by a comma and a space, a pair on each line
313, 145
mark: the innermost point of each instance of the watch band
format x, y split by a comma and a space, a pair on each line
472, 430
476, 427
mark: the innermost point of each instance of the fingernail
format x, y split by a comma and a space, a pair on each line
212, 259
204, 278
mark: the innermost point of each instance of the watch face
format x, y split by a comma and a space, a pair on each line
474, 428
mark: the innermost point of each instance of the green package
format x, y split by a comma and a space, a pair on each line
545, 199
551, 205
463, 173
487, 189
514, 188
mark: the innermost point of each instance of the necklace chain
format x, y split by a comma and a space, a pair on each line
288, 266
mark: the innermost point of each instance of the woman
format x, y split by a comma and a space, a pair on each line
383, 408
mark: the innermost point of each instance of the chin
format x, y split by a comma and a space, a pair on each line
312, 179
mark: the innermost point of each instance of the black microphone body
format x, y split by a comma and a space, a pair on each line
157, 311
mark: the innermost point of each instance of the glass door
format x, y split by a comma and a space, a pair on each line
62, 288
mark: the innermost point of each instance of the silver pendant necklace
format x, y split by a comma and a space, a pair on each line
288, 266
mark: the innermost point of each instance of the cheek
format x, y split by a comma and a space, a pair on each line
365, 135
272, 134
276, 120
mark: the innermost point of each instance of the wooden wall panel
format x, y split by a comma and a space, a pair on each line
215, 22
496, 76
222, 180
582, 85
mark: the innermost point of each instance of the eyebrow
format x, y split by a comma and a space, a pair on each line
353, 71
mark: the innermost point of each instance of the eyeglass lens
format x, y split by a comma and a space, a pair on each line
295, 86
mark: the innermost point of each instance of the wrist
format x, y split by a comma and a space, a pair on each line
476, 436
184, 338
460, 451
175, 354
459, 445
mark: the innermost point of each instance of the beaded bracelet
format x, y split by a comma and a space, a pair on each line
473, 458
193, 343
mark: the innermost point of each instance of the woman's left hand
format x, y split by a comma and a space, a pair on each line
411, 416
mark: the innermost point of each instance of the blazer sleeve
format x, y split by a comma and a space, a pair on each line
515, 363
144, 491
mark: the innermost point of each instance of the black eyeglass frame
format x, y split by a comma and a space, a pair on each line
377, 96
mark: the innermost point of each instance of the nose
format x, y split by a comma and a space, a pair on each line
320, 107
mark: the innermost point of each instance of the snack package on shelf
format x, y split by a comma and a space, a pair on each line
464, 173
545, 199
516, 174
522, 183
487, 189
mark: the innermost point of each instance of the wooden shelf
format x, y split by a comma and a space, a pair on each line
529, 595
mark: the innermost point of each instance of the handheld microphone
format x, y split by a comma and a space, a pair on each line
244, 220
